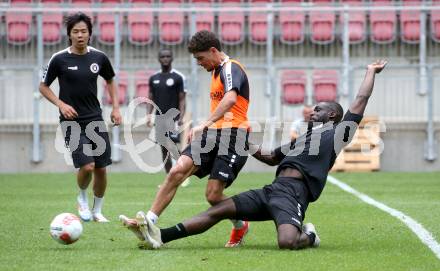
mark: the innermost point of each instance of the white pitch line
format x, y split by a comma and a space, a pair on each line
424, 235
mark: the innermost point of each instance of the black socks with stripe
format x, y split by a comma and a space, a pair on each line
173, 233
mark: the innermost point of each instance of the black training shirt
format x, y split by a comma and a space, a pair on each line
165, 88
77, 77
314, 152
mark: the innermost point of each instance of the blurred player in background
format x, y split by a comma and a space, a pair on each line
299, 126
225, 131
77, 68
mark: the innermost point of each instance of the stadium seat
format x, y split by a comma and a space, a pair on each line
410, 23
322, 24
231, 24
258, 23
383, 24
18, 24
79, 5
52, 23
141, 81
357, 23
105, 22
325, 85
171, 24
122, 90
293, 87
140, 25
291, 24
205, 19
435, 22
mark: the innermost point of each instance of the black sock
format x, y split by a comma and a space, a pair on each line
176, 232
311, 236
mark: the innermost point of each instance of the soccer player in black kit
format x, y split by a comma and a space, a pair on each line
167, 91
77, 68
303, 166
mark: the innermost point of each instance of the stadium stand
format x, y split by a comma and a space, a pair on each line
231, 24
140, 25
258, 23
435, 22
52, 23
204, 20
383, 23
293, 86
106, 23
357, 22
141, 81
410, 22
171, 24
292, 24
322, 24
79, 5
122, 90
19, 24
325, 85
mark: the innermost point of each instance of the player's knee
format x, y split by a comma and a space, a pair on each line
213, 197
175, 175
89, 168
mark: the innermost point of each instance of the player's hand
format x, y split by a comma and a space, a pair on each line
378, 65
195, 132
149, 121
68, 111
116, 117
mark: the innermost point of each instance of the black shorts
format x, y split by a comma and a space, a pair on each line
87, 150
221, 153
284, 201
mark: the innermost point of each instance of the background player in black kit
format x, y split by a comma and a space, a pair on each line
77, 69
167, 91
303, 166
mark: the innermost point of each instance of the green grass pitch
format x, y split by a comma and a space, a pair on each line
354, 235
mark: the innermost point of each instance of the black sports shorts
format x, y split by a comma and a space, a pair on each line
221, 153
88, 149
284, 201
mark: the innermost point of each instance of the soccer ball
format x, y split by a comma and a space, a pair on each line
66, 228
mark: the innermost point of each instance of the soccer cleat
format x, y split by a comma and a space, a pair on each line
132, 225
309, 228
186, 182
150, 232
98, 217
237, 235
83, 210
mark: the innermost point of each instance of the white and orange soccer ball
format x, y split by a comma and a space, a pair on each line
66, 228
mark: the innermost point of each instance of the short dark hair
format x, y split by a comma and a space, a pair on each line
202, 41
337, 108
164, 49
73, 19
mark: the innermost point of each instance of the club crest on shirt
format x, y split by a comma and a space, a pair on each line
94, 68
170, 82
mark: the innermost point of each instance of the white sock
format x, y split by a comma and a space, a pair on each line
97, 205
238, 224
152, 216
83, 195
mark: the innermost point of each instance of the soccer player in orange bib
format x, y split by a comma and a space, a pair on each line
218, 146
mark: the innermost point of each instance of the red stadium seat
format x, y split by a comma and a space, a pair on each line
231, 24
322, 24
18, 24
383, 24
171, 25
106, 23
410, 23
141, 81
258, 23
325, 85
79, 5
122, 90
205, 19
292, 24
357, 23
293, 86
140, 25
52, 23
435, 22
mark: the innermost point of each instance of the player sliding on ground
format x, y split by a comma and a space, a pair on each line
303, 166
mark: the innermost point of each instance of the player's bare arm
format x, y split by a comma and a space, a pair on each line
115, 115
366, 88
68, 111
224, 106
270, 159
